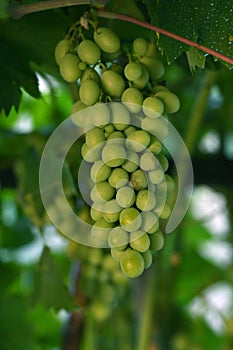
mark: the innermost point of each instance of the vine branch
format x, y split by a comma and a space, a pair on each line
19, 11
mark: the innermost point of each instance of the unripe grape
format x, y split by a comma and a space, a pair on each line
100, 230
107, 40
88, 51
100, 171
130, 219
152, 107
133, 71
137, 141
132, 161
120, 116
118, 178
61, 49
102, 192
116, 252
113, 155
89, 92
69, 68
138, 180
90, 74
150, 222
170, 100
117, 137
155, 67
78, 118
111, 211
97, 211
145, 200
148, 161
109, 128
99, 311
148, 258
140, 46
101, 115
156, 240
94, 137
129, 130
155, 145
118, 238
142, 82
156, 176
139, 241
157, 88
82, 66
133, 99
132, 263
163, 162
165, 212
112, 83
157, 127
91, 154
125, 196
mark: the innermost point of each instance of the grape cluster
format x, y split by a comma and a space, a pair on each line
124, 128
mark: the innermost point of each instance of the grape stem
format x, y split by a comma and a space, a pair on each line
19, 11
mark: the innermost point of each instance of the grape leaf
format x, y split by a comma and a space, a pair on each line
207, 22
50, 289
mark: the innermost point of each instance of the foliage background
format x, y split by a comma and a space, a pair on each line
185, 301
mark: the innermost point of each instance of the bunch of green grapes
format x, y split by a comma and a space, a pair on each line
123, 111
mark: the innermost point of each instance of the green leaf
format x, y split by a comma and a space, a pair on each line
195, 59
208, 22
50, 289
128, 7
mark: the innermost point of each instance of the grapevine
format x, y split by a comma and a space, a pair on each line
129, 191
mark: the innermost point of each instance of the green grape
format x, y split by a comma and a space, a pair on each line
117, 137
155, 145
156, 240
156, 176
88, 51
90, 74
95, 257
89, 92
138, 180
82, 66
111, 211
100, 171
148, 258
120, 116
139, 241
155, 67
102, 192
112, 83
157, 127
169, 183
94, 137
165, 212
130, 219
116, 252
113, 154
152, 50
129, 130
157, 88
91, 154
132, 162
125, 196
133, 99
137, 141
140, 46
101, 115
99, 311
96, 211
118, 178
108, 264
152, 107
143, 81
120, 280
163, 162
61, 49
145, 200
132, 263
78, 118
107, 292
170, 100
109, 128
148, 161
118, 238
107, 40
150, 222
69, 68
100, 230
133, 71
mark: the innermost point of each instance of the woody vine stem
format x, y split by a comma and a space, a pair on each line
19, 11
